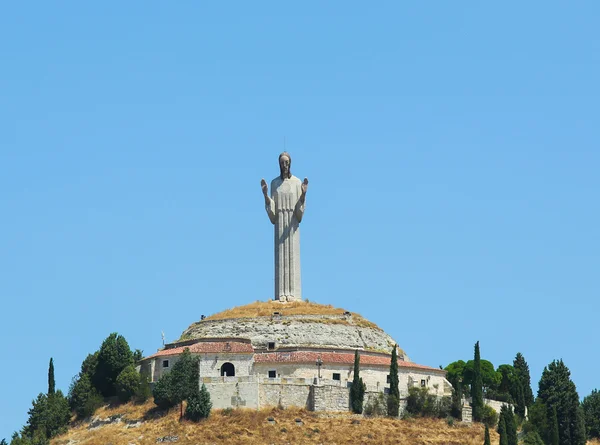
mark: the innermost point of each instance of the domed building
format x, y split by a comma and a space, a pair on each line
292, 354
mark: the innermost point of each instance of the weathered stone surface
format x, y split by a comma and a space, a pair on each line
296, 331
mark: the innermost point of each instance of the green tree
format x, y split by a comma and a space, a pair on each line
507, 378
490, 378
84, 398
3, 442
58, 414
357, 390
455, 372
591, 414
36, 421
477, 386
502, 431
486, 438
510, 424
180, 383
138, 354
114, 356
456, 407
557, 390
553, 427
128, 383
144, 391
89, 364
198, 405
48, 417
51, 382
522, 374
537, 420
393, 401
532, 438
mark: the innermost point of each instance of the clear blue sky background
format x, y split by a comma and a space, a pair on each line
452, 150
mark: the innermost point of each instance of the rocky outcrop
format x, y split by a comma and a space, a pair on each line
319, 331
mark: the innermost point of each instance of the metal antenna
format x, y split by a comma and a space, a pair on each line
163, 337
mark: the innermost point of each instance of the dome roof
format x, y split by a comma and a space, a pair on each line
294, 325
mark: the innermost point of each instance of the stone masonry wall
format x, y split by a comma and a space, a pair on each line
233, 395
331, 398
284, 394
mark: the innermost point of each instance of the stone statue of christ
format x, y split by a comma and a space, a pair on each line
285, 208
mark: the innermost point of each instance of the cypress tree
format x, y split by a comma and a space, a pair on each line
522, 372
556, 390
553, 427
511, 426
502, 431
477, 386
51, 382
357, 390
486, 439
456, 408
394, 395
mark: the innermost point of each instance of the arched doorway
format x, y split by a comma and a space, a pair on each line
228, 369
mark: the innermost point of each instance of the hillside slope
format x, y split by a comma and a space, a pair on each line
140, 424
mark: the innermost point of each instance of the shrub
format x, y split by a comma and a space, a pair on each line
489, 416
84, 399
143, 392
163, 394
421, 403
532, 438
198, 405
128, 383
376, 406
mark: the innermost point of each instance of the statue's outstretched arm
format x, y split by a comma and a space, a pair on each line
299, 209
269, 203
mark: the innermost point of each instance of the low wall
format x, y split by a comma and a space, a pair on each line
331, 398
284, 394
228, 395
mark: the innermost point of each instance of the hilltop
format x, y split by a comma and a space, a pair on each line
141, 424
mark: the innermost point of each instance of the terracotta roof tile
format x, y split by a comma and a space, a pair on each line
333, 357
209, 347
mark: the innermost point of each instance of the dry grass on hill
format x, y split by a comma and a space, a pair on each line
245, 426
266, 309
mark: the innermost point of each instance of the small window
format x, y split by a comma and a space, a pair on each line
388, 380
271, 345
386, 390
272, 374
165, 363
337, 376
422, 383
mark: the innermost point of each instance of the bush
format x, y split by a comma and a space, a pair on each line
143, 392
376, 406
198, 405
489, 416
84, 399
163, 397
532, 438
128, 383
421, 403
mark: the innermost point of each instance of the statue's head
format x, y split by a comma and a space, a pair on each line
285, 164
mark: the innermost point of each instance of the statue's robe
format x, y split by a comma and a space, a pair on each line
285, 211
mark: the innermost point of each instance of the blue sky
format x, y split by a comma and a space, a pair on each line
452, 151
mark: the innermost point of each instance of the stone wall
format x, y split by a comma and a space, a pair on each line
233, 394
278, 393
331, 398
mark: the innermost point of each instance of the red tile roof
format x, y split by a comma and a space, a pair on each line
334, 357
210, 347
